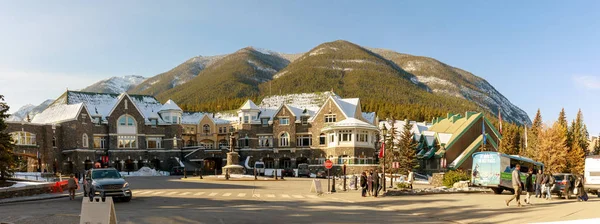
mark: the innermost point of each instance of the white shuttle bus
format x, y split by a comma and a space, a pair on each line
592, 174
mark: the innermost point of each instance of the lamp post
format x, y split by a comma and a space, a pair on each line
384, 132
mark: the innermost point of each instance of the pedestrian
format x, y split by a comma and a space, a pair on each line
538, 184
363, 183
550, 186
543, 184
581, 194
369, 183
529, 186
72, 185
516, 184
375, 184
411, 178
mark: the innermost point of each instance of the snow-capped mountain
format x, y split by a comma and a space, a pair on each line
115, 85
30, 109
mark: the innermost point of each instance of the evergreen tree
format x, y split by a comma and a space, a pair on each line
390, 146
7, 162
579, 145
533, 136
597, 146
407, 148
553, 149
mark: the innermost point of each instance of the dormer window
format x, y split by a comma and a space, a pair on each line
330, 118
154, 122
304, 120
264, 122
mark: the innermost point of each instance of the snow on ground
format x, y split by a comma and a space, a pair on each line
434, 80
24, 184
145, 172
279, 74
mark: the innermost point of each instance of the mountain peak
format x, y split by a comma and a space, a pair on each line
115, 85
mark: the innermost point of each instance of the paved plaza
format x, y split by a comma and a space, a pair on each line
172, 200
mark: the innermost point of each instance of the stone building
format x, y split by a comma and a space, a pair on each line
129, 131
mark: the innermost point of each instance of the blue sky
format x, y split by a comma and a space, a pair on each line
539, 54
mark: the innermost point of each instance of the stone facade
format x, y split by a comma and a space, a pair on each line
133, 134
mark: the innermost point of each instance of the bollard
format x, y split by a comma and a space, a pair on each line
355, 182
184, 173
201, 174
344, 177
275, 173
227, 174
333, 185
255, 178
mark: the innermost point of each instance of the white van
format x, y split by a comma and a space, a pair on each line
260, 168
592, 174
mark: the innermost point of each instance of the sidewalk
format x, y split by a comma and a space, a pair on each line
37, 197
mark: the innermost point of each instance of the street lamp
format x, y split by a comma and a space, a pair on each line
384, 132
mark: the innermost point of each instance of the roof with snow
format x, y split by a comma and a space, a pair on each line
191, 117
350, 123
102, 104
170, 105
417, 128
249, 105
58, 113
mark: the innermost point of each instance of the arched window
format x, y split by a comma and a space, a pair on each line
126, 125
84, 140
322, 139
23, 138
206, 128
284, 140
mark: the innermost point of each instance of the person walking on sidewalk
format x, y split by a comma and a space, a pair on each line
516, 184
375, 184
369, 183
363, 183
529, 186
538, 184
411, 178
550, 185
72, 185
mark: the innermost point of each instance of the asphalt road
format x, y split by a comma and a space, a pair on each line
171, 200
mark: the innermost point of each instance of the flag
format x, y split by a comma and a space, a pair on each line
483, 129
382, 150
500, 119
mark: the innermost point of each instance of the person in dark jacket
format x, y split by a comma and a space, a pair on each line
580, 189
363, 183
375, 184
538, 184
72, 185
529, 186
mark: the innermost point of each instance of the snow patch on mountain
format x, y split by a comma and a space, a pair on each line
115, 84
309, 101
428, 80
279, 74
321, 51
29, 109
259, 67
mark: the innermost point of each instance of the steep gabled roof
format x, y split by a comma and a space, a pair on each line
59, 113
121, 97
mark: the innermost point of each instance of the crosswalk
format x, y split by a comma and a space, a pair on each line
192, 194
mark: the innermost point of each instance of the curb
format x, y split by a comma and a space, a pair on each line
430, 193
223, 179
33, 198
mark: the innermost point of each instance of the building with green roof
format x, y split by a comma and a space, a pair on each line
451, 140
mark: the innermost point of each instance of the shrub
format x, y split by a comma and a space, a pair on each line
403, 185
454, 176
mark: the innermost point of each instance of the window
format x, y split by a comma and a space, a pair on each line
304, 140
126, 125
363, 136
331, 137
253, 118
168, 119
231, 129
284, 140
246, 119
265, 141
174, 142
99, 142
345, 136
53, 142
304, 120
223, 144
23, 138
264, 122
154, 142
85, 141
154, 122
127, 141
174, 119
220, 130
284, 121
330, 118
206, 128
322, 139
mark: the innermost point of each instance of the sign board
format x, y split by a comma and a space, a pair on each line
328, 164
316, 187
396, 165
98, 211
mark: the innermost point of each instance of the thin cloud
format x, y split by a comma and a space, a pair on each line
587, 81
